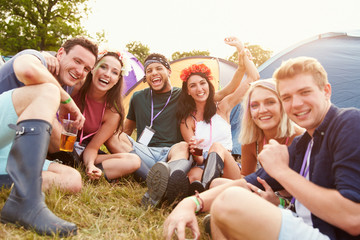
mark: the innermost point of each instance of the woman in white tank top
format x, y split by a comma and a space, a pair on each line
204, 117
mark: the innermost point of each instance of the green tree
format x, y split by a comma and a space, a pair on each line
139, 50
259, 54
178, 55
39, 24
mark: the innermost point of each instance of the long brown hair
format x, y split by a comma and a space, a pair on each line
113, 96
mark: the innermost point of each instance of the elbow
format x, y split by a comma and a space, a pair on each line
26, 70
255, 76
352, 225
353, 228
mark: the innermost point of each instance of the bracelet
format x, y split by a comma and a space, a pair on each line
197, 195
66, 101
198, 201
198, 207
282, 202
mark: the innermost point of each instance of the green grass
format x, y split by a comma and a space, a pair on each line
101, 210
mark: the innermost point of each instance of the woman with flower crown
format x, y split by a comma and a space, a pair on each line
100, 101
204, 117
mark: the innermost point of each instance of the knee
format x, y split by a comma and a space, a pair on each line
50, 92
136, 160
227, 203
195, 174
182, 146
216, 147
75, 181
216, 182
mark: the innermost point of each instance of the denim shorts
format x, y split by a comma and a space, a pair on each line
293, 227
150, 155
8, 115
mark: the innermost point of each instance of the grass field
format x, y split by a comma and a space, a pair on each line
101, 211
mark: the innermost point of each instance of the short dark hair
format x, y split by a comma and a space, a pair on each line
156, 55
85, 43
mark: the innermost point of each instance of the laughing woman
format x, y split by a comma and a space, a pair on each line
100, 100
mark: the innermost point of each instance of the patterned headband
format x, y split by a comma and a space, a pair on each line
156, 59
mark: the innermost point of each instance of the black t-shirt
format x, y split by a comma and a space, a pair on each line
166, 126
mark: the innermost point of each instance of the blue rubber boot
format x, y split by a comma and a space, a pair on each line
25, 205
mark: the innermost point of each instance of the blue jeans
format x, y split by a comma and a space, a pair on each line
150, 155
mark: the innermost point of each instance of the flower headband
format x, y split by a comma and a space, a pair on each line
195, 68
126, 68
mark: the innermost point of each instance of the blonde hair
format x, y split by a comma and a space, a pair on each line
250, 132
295, 66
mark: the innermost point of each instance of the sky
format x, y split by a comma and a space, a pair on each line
168, 26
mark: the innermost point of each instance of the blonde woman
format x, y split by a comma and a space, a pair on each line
263, 119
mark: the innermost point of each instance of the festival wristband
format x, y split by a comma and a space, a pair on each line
66, 101
198, 206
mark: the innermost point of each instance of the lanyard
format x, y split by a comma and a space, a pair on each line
82, 130
305, 165
152, 107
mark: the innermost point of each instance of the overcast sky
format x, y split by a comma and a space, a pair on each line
167, 26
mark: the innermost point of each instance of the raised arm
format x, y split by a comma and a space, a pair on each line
234, 98
239, 73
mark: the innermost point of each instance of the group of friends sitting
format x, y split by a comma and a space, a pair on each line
299, 174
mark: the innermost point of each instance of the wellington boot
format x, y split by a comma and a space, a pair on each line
25, 205
214, 166
167, 181
178, 184
157, 181
196, 186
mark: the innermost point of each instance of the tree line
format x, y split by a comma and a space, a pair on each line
46, 24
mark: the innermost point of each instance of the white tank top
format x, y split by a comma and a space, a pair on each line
220, 131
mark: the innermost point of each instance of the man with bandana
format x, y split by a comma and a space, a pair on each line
152, 112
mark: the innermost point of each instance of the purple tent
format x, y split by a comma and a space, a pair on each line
136, 73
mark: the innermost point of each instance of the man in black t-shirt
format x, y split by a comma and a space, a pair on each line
152, 112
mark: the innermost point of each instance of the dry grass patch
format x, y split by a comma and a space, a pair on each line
101, 211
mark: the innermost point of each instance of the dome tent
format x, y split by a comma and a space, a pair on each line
339, 53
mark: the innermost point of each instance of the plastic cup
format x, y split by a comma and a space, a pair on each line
68, 135
198, 150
